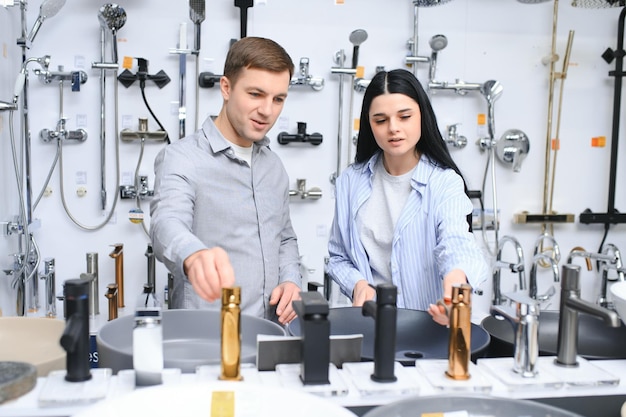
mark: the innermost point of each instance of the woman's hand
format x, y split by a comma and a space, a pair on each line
362, 292
439, 312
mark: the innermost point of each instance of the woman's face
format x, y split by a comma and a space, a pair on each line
396, 122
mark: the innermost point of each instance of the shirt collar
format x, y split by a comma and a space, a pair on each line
218, 142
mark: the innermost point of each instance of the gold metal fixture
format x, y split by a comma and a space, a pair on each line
460, 333
118, 255
111, 294
231, 334
580, 249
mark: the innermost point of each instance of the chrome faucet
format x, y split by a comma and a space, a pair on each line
49, 281
571, 304
610, 258
554, 251
525, 323
532, 283
518, 267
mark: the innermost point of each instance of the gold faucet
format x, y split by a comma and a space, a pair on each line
111, 294
118, 255
231, 334
460, 333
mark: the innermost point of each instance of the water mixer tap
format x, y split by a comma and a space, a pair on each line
517, 266
49, 281
610, 258
532, 283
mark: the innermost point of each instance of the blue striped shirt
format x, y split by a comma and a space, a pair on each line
430, 240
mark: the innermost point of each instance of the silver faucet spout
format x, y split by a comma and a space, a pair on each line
517, 266
571, 305
532, 283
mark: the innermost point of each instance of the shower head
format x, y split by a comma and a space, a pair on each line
598, 4
428, 3
491, 90
357, 37
112, 17
197, 10
48, 8
438, 42
197, 15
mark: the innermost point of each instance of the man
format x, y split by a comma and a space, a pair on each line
220, 212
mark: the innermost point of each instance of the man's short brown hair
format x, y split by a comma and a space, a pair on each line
256, 53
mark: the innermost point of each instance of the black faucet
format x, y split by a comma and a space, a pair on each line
75, 337
312, 310
385, 313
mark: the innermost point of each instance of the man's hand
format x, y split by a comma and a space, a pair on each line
209, 270
362, 292
281, 297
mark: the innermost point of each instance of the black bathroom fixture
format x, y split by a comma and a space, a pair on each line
314, 138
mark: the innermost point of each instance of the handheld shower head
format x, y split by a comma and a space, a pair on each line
438, 42
48, 8
428, 3
112, 17
197, 15
357, 37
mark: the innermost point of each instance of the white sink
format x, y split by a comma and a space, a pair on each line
33, 340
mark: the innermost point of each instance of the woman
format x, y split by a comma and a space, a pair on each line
401, 213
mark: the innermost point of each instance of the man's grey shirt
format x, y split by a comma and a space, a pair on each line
205, 196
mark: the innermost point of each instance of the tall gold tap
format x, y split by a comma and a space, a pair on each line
460, 333
111, 295
231, 334
118, 255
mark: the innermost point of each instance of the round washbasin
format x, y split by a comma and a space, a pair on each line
474, 405
190, 338
417, 335
35, 340
595, 339
218, 398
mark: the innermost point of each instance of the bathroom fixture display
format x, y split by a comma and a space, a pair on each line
304, 78
230, 359
612, 215
314, 193
609, 259
49, 279
48, 8
190, 338
385, 315
75, 337
459, 341
570, 307
111, 295
517, 266
410, 343
112, 18
525, 322
453, 138
151, 267
548, 215
208, 79
473, 405
285, 138
512, 148
118, 254
243, 16
357, 37
182, 51
197, 13
312, 310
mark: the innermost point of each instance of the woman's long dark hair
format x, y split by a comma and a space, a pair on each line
431, 143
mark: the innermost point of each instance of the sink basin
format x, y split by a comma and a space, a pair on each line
595, 339
34, 340
190, 338
474, 405
418, 336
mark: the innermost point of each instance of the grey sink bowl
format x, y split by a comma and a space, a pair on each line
595, 339
418, 336
190, 338
475, 405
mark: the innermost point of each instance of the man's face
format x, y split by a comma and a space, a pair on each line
253, 104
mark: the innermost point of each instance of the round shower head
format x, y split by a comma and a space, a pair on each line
598, 4
357, 37
50, 7
428, 3
112, 17
438, 42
